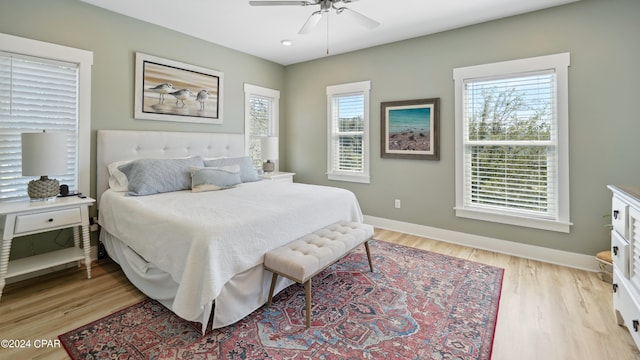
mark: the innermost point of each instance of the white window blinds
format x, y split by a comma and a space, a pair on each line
261, 119
260, 125
35, 94
510, 144
348, 133
348, 138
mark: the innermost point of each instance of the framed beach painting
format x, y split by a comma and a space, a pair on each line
410, 129
172, 91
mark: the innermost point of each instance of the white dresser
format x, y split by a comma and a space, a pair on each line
625, 251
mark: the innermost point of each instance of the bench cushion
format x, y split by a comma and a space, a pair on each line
302, 259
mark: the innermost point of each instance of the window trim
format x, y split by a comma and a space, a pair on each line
363, 87
84, 59
560, 64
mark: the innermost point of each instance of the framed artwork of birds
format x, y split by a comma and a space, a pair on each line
168, 90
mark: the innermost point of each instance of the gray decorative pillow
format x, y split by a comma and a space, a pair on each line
153, 176
247, 172
212, 178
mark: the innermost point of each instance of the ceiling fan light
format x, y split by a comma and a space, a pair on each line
286, 42
325, 7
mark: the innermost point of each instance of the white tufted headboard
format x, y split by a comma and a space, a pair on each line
115, 145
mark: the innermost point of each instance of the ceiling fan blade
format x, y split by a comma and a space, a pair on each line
312, 21
270, 3
362, 19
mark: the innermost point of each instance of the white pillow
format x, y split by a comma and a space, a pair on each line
117, 179
214, 158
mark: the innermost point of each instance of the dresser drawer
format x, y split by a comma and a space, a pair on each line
627, 307
619, 251
621, 295
619, 211
47, 220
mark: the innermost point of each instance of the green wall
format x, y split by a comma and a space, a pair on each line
602, 37
114, 40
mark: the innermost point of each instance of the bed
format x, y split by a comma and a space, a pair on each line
201, 253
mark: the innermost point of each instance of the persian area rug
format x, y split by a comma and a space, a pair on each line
416, 305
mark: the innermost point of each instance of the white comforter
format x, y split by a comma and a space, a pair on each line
203, 239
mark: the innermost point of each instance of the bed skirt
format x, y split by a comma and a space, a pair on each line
244, 293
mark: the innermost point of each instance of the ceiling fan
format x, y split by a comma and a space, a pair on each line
325, 7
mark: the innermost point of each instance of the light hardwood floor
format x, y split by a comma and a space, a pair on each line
546, 311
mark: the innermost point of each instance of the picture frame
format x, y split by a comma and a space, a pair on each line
168, 90
410, 129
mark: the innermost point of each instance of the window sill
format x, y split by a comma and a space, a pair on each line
542, 224
364, 179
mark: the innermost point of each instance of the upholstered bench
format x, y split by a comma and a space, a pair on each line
302, 259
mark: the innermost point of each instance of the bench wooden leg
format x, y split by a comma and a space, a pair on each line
307, 288
273, 286
366, 246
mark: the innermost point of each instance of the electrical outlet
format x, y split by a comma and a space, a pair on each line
397, 203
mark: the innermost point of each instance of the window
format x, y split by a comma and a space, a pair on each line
43, 87
512, 142
261, 119
348, 132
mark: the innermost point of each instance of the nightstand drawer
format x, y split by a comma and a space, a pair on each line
45, 220
278, 176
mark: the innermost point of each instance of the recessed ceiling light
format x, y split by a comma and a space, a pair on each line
286, 42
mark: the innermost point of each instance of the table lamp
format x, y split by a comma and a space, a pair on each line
44, 154
269, 151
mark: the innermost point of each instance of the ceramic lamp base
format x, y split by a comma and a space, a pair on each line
268, 166
43, 188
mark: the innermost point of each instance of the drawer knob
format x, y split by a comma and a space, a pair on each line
615, 214
615, 250
615, 287
636, 325
50, 220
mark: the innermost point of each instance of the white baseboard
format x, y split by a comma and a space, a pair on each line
94, 257
553, 256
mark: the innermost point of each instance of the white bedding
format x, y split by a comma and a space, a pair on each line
203, 240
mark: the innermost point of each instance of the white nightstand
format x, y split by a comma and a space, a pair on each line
18, 218
278, 176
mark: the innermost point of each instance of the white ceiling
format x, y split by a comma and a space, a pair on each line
258, 30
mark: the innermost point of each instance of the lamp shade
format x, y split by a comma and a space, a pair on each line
269, 148
44, 154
